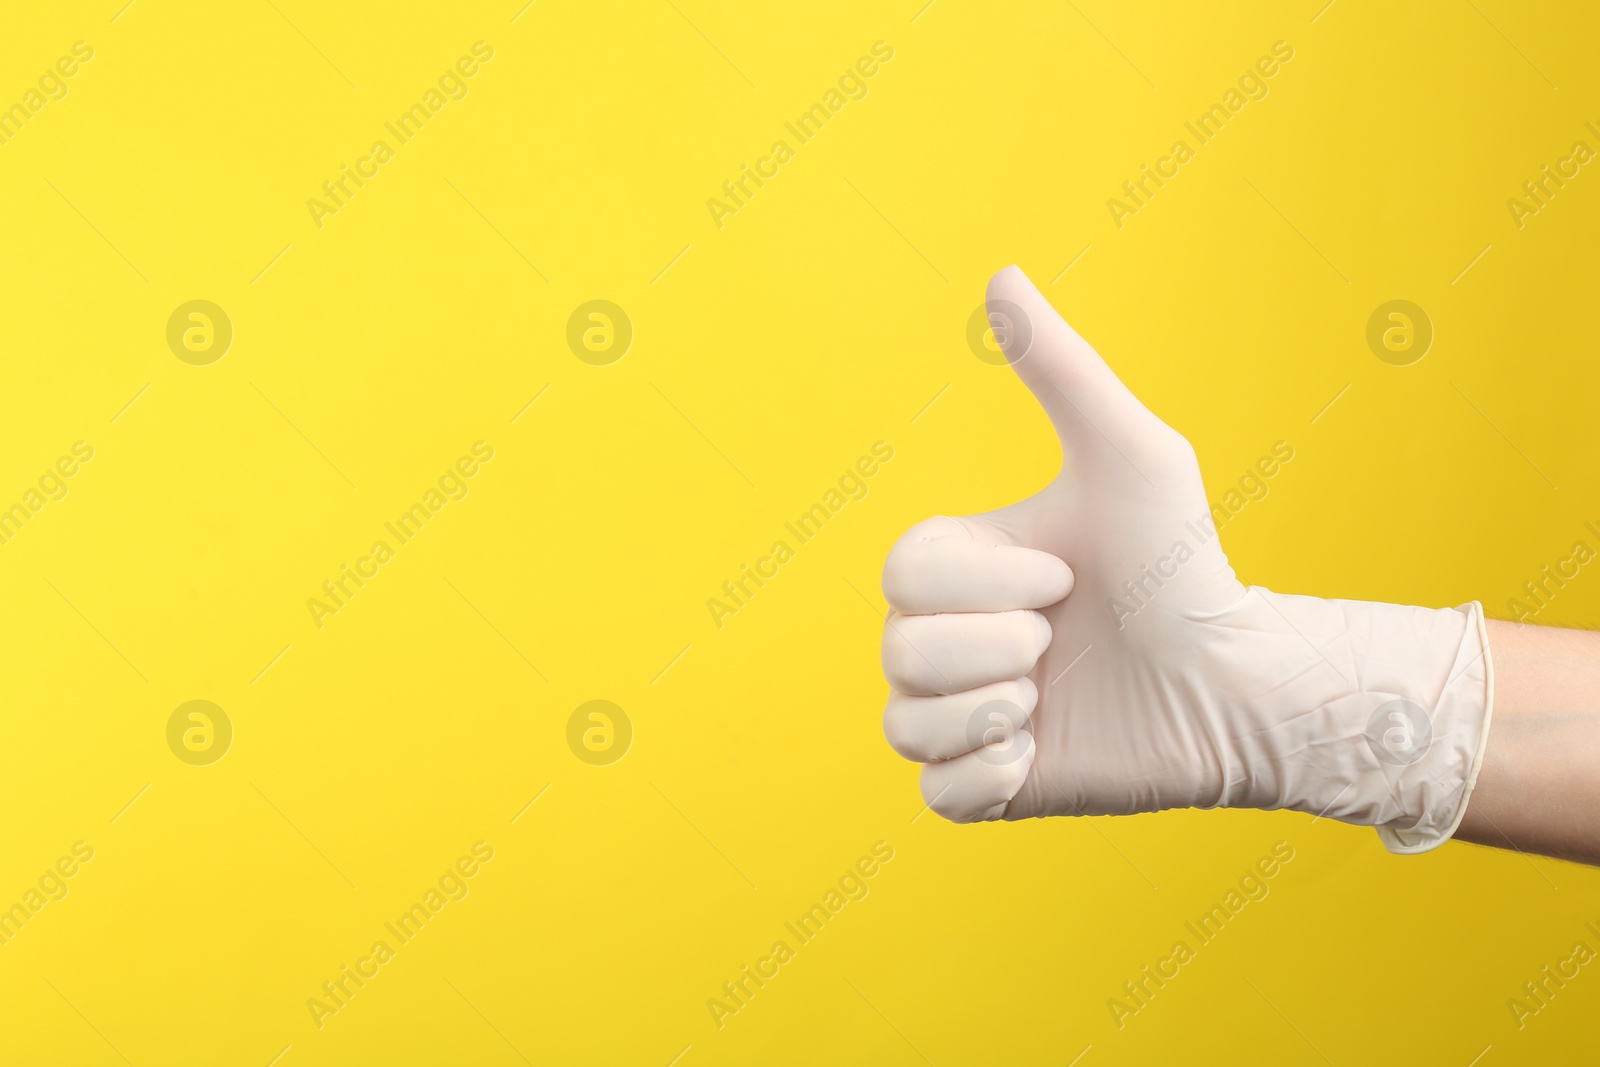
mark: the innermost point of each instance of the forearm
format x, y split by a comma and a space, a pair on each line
1539, 787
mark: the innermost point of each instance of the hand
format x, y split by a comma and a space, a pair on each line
1089, 650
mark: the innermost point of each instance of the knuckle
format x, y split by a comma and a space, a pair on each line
905, 567
968, 789
900, 730
900, 577
905, 669
939, 792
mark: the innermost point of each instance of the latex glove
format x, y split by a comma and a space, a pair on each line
1090, 651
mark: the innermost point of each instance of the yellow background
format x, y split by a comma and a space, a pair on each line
821, 318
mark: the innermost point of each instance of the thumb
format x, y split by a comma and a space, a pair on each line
1072, 383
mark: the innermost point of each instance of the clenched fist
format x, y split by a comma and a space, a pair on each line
1089, 651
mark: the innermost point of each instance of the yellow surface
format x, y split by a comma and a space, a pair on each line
371, 753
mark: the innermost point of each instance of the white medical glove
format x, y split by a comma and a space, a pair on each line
1089, 650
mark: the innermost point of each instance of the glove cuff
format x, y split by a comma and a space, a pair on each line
1443, 779
1373, 714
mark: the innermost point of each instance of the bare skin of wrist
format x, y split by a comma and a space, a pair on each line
1539, 787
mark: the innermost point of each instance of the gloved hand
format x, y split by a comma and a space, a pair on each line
1090, 651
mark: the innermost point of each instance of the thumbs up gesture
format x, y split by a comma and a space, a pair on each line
1089, 650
